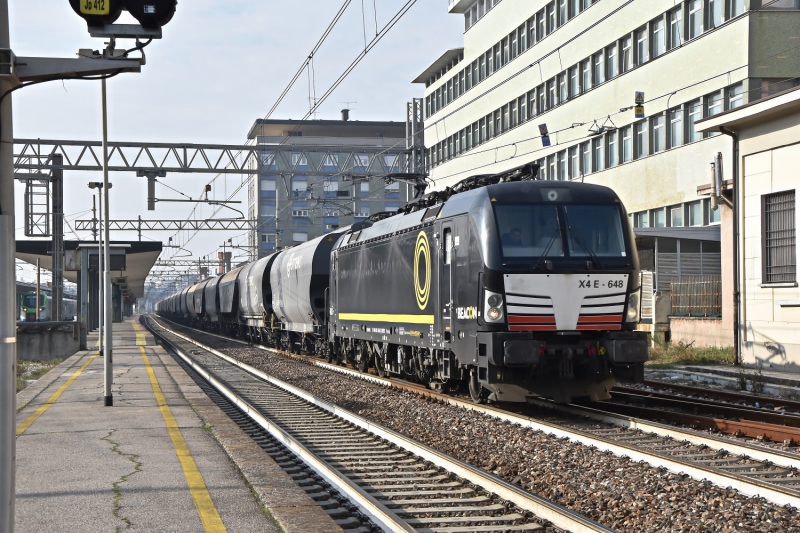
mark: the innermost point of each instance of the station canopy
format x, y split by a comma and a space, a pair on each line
139, 260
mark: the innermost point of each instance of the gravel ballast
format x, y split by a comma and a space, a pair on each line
615, 491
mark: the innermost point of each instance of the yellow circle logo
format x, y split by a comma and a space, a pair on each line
422, 281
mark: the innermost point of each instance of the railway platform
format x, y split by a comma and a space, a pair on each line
163, 458
774, 382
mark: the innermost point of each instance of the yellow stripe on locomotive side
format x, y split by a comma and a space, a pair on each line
377, 317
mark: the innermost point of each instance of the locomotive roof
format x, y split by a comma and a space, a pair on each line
508, 192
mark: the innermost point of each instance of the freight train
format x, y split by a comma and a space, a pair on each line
503, 285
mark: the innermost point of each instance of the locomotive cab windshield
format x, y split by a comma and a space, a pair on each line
531, 232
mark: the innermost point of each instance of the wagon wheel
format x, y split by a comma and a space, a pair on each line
380, 362
362, 357
475, 388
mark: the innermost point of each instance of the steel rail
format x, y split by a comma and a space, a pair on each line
377, 511
699, 405
730, 396
748, 485
559, 516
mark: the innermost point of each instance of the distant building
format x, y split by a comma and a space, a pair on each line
576, 67
318, 175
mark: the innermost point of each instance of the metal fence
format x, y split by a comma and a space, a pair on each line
697, 296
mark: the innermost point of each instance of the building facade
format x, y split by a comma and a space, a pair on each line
768, 133
318, 175
557, 81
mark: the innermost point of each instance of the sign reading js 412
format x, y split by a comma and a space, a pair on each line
95, 7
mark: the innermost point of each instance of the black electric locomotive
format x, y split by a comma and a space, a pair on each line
505, 285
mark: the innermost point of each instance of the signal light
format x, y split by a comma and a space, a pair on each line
152, 13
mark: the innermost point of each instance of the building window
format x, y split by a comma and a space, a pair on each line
675, 128
574, 163
659, 133
696, 214
737, 7
675, 21
586, 158
626, 56
586, 76
551, 17
641, 144
659, 46
694, 112
562, 165
695, 18
522, 38
659, 218
778, 245
598, 149
598, 74
676, 216
268, 185
562, 12
299, 186
267, 237
611, 141
715, 216
298, 236
562, 88
715, 8
641, 220
540, 25
299, 159
611, 61
642, 52
627, 144
551, 167
573, 82
735, 96
513, 112
713, 107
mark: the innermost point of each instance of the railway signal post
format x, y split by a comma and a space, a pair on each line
14, 72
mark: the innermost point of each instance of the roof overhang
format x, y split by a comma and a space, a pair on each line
437, 65
459, 6
140, 258
753, 114
695, 233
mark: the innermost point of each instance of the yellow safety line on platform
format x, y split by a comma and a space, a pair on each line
202, 499
50, 401
140, 339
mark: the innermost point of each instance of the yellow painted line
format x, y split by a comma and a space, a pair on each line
377, 317
50, 401
140, 339
209, 516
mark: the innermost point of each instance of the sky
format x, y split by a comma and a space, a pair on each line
219, 67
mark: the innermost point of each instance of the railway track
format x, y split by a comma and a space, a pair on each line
400, 484
751, 468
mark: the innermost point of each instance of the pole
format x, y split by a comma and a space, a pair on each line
38, 289
108, 369
8, 325
57, 186
100, 291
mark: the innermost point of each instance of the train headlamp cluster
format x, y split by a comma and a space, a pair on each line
149, 13
494, 306
632, 309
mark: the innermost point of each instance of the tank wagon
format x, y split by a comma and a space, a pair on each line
504, 285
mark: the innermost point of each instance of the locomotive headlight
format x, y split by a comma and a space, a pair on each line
632, 309
493, 306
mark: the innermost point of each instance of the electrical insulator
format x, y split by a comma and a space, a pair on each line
98, 12
152, 13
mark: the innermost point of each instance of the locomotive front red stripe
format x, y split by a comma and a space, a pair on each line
532, 328
548, 323
584, 319
551, 319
